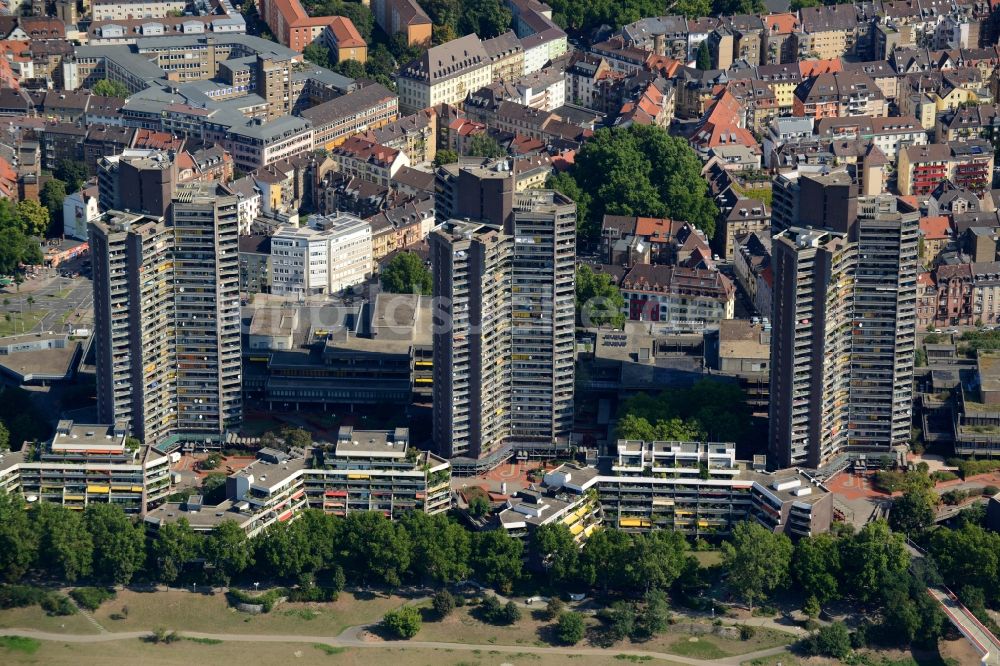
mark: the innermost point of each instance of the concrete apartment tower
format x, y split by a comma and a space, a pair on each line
503, 339
842, 344
167, 317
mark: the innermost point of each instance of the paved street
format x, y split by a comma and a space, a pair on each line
58, 303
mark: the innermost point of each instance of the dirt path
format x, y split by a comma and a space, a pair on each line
351, 638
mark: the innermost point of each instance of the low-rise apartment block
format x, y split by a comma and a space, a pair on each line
445, 74
361, 471
86, 464
699, 489
967, 165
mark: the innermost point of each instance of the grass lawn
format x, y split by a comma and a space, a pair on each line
251, 654
34, 617
462, 627
19, 323
695, 646
711, 646
707, 558
179, 610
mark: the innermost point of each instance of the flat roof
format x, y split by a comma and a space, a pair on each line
372, 443
86, 437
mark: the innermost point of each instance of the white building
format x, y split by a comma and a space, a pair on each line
79, 210
333, 253
118, 10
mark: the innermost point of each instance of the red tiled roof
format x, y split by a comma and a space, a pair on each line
937, 227
814, 67
345, 33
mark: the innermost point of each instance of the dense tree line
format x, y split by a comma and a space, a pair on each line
637, 170
598, 300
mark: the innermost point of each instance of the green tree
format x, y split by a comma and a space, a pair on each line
119, 543
352, 69
18, 538
403, 623
586, 228
871, 558
71, 172
571, 628
833, 640
108, 88
479, 506
317, 54
441, 547
655, 615
406, 274
483, 145
33, 218
718, 410
445, 156
553, 607
757, 561
642, 170
968, 556
227, 550
376, 548
598, 301
816, 567
621, 620
443, 603
635, 427
4, 437
496, 558
693, 9
912, 512
486, 18
553, 546
704, 62
656, 559
52, 195
284, 551
604, 546
173, 546
65, 550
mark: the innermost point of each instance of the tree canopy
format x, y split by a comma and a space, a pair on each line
598, 301
483, 145
641, 170
406, 274
757, 560
108, 88
710, 409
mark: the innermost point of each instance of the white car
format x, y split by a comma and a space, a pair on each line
580, 596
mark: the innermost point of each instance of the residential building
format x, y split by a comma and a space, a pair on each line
977, 418
167, 317
79, 210
361, 157
345, 41
699, 489
826, 32
88, 464
444, 74
741, 348
357, 112
842, 344
405, 17
747, 216
679, 297
255, 264
752, 265
966, 164
364, 470
503, 368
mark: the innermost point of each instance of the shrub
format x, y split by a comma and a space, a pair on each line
553, 608
20, 596
941, 476
812, 608
91, 598
403, 623
495, 613
953, 497
833, 640
443, 603
511, 613
266, 600
57, 604
747, 632
990, 491
571, 628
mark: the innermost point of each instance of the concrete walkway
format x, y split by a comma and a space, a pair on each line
981, 638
